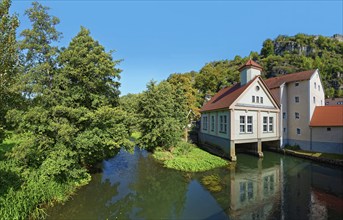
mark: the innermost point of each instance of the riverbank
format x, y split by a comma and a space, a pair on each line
188, 158
333, 159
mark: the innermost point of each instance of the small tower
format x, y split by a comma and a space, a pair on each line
249, 70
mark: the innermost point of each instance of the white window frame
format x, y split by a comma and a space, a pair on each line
267, 123
261, 99
204, 123
271, 124
223, 124
253, 99
244, 125
257, 99
249, 124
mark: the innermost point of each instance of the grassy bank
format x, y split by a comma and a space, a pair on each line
187, 157
26, 192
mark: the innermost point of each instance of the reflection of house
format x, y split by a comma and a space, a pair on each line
254, 194
255, 111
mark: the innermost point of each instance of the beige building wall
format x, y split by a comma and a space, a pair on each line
321, 134
301, 90
213, 128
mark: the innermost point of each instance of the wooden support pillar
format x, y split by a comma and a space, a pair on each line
259, 148
232, 151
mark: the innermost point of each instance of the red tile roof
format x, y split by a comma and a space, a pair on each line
293, 77
276, 93
225, 97
324, 116
251, 63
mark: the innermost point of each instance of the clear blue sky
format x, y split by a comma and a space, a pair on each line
157, 38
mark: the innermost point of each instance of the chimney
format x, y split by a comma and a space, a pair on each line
249, 70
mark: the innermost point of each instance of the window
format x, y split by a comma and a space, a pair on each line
257, 99
297, 115
319, 87
212, 123
222, 123
315, 85
253, 98
314, 99
257, 88
284, 115
265, 124
284, 130
271, 124
296, 84
204, 123
268, 124
261, 99
298, 131
249, 124
296, 99
328, 129
245, 124
242, 124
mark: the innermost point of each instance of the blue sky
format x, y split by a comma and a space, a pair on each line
157, 38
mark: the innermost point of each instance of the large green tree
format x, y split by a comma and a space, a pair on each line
8, 61
163, 110
38, 51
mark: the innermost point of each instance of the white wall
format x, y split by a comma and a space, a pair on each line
246, 99
317, 91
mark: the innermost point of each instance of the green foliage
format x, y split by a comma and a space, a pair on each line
163, 115
268, 48
38, 53
9, 98
187, 157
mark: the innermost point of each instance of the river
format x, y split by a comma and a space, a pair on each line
135, 186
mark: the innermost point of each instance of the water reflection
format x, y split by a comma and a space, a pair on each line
134, 186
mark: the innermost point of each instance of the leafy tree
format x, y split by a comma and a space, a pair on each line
163, 113
38, 53
268, 48
8, 62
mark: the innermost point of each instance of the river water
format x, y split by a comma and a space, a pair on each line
135, 186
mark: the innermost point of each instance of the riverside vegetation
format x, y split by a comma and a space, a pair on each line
61, 113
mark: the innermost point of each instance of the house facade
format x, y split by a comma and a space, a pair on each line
245, 113
255, 111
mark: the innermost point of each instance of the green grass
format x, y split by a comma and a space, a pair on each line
187, 157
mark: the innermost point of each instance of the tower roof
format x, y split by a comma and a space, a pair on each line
251, 63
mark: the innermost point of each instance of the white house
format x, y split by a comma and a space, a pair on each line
255, 111
244, 113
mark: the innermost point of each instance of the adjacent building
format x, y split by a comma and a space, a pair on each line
278, 110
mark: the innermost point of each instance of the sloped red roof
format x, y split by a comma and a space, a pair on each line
225, 97
292, 77
324, 116
250, 63
276, 93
